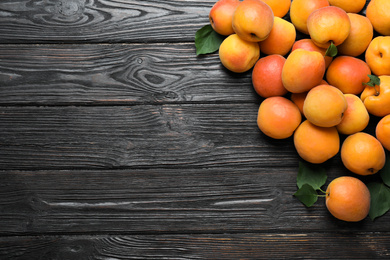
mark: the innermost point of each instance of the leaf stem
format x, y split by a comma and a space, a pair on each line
322, 192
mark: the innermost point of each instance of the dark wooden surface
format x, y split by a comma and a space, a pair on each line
117, 142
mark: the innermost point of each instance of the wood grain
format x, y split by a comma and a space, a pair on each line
99, 21
160, 201
102, 74
321, 245
201, 135
117, 142
103, 21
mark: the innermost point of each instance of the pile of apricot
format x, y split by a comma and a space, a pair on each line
309, 93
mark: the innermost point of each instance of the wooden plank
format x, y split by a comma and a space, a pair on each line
82, 21
158, 201
101, 20
187, 135
323, 245
97, 74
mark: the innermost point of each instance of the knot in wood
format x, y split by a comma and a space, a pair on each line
70, 7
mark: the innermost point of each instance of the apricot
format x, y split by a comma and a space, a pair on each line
377, 99
267, 76
348, 74
309, 45
279, 7
359, 37
281, 38
348, 199
316, 144
303, 70
299, 99
378, 11
221, 16
356, 117
300, 11
363, 154
253, 20
278, 117
378, 55
238, 55
349, 6
325, 106
328, 25
382, 132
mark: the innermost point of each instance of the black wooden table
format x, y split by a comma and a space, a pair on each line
118, 142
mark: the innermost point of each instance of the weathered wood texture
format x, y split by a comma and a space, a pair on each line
213, 246
98, 21
164, 201
39, 21
116, 74
186, 135
117, 142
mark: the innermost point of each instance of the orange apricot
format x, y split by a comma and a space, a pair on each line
267, 76
316, 144
382, 132
348, 199
278, 117
325, 106
348, 74
363, 154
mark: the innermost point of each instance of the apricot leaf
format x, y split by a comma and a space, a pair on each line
311, 174
207, 40
380, 199
307, 195
385, 171
374, 81
331, 51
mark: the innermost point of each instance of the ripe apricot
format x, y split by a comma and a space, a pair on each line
300, 11
377, 55
382, 132
279, 7
316, 144
348, 199
221, 16
303, 70
267, 76
281, 38
278, 117
348, 74
350, 6
325, 105
299, 99
308, 44
378, 11
238, 55
253, 20
377, 99
356, 117
363, 154
360, 36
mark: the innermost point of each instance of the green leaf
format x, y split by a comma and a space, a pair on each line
331, 51
385, 171
311, 174
374, 81
207, 40
380, 199
307, 195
